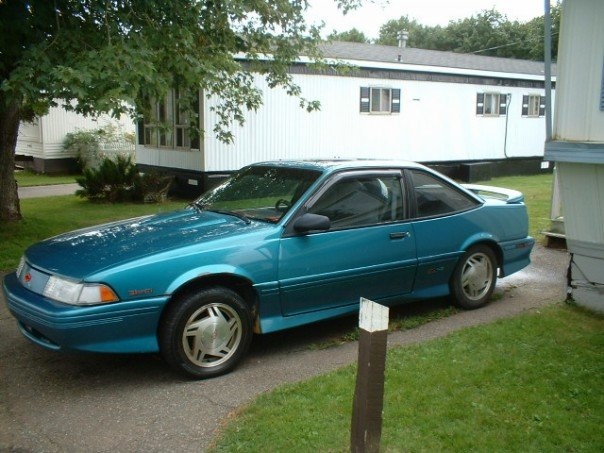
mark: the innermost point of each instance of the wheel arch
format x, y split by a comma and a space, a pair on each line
493, 245
469, 284
241, 285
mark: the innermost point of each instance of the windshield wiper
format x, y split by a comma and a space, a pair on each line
200, 207
232, 213
197, 205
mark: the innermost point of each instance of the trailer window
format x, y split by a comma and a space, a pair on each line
380, 100
533, 105
491, 104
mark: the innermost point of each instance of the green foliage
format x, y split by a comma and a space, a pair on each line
531, 383
117, 180
118, 57
113, 57
114, 180
420, 36
487, 33
352, 35
83, 144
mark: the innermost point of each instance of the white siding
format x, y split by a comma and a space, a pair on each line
579, 146
581, 58
169, 158
29, 140
437, 122
47, 142
583, 199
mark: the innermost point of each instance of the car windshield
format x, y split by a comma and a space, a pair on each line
259, 192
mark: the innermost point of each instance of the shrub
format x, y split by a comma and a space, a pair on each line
92, 146
86, 145
117, 180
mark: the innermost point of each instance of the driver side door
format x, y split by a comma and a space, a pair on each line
369, 250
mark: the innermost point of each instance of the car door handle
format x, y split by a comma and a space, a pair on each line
400, 235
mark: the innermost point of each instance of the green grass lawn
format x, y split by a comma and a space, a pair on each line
530, 383
46, 217
27, 178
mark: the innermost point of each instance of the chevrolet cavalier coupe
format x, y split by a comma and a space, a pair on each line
278, 245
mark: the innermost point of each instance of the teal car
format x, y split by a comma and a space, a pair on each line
278, 245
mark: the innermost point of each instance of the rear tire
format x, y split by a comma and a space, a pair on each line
474, 278
206, 334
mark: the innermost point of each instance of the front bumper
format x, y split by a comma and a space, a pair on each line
121, 327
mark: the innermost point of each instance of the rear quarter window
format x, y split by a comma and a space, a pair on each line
434, 196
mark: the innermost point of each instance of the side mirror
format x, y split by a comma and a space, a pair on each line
312, 222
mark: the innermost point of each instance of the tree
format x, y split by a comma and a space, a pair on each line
484, 33
420, 36
113, 56
352, 35
535, 30
487, 33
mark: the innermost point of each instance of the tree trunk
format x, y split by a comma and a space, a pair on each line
9, 129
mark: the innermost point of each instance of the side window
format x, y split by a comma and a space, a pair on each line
434, 197
360, 201
533, 105
380, 100
168, 125
491, 104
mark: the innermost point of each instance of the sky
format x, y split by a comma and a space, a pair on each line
370, 17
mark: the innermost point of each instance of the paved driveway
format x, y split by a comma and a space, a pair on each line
47, 191
56, 402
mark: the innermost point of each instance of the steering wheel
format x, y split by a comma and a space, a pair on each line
282, 205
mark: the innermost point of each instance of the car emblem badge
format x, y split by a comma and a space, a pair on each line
27, 278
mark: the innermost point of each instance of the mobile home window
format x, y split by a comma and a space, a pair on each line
380, 100
533, 105
491, 104
168, 125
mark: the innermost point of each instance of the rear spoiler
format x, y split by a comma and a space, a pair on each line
497, 193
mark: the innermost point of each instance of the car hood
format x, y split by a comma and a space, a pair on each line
84, 252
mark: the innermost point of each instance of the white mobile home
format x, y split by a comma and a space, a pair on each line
40, 143
578, 145
465, 114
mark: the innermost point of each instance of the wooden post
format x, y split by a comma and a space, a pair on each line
366, 429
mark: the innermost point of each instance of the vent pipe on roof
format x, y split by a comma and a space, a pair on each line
403, 37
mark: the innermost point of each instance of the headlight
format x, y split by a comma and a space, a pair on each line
70, 292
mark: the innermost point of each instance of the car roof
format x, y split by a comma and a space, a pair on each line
331, 165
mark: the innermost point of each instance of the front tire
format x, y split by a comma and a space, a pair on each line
206, 334
474, 278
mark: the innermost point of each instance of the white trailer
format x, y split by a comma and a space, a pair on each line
40, 143
577, 146
440, 108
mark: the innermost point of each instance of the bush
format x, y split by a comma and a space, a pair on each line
92, 146
117, 180
86, 145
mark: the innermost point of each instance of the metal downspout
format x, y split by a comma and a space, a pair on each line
556, 228
507, 117
547, 49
